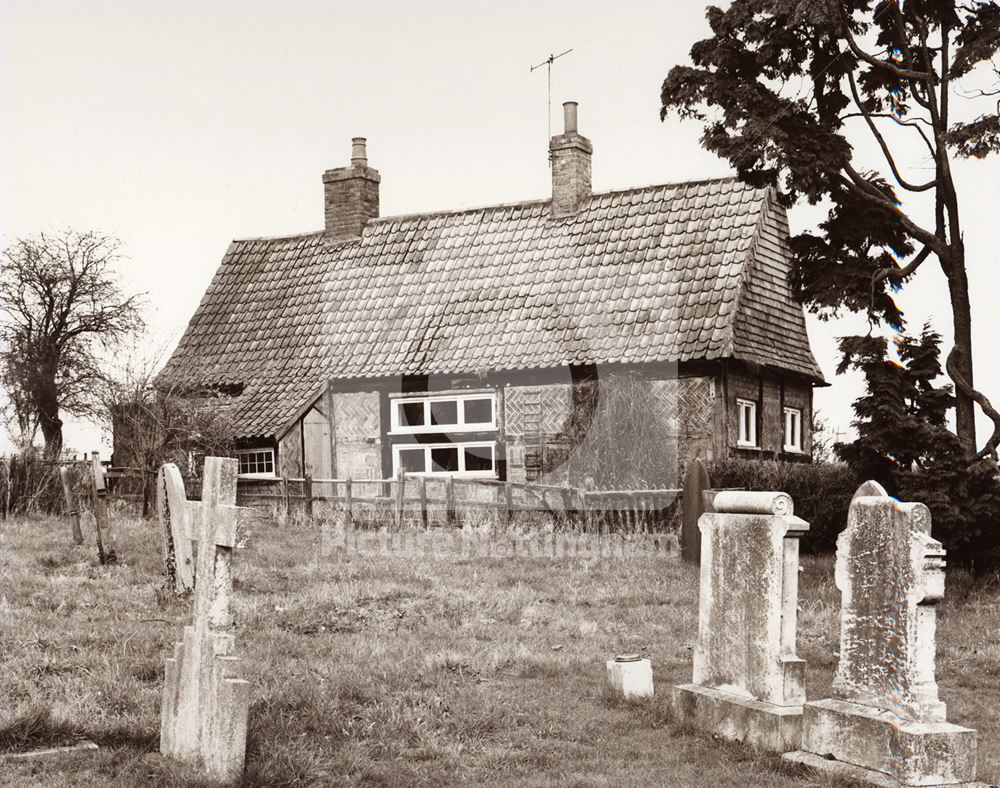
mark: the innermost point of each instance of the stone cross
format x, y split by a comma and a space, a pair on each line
748, 682
203, 719
175, 514
884, 720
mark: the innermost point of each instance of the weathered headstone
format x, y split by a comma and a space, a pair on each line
72, 509
175, 512
748, 682
203, 719
884, 723
696, 482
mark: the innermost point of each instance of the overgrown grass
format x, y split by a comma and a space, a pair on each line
389, 671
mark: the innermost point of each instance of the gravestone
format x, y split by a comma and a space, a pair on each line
748, 683
884, 723
696, 482
203, 718
174, 512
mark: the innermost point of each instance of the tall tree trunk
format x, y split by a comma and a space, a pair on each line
51, 426
965, 410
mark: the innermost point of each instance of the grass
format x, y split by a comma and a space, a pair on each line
388, 671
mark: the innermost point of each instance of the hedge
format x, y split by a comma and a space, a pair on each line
821, 492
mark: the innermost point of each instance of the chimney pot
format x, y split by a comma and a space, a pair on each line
569, 117
359, 154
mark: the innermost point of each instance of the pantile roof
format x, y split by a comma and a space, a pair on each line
670, 273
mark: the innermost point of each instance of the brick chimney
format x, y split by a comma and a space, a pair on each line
570, 154
351, 196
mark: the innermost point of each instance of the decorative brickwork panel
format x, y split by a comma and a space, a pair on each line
685, 404
290, 453
534, 410
358, 435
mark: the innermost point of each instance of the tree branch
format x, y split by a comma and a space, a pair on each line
861, 188
990, 449
922, 187
886, 65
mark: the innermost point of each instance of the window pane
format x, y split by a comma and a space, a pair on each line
256, 462
444, 412
478, 458
444, 459
412, 460
411, 414
479, 411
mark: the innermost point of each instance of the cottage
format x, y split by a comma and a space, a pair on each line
482, 342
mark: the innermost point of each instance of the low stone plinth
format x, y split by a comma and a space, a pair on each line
630, 677
754, 722
880, 748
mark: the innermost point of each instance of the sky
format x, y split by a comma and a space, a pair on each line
179, 126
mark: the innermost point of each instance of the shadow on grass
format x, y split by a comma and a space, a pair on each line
37, 728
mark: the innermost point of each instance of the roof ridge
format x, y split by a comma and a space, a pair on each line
500, 207
546, 200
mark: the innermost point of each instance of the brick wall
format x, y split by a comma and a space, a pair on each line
290, 453
570, 154
351, 200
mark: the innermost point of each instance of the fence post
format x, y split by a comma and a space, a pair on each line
423, 501
105, 545
400, 494
567, 501
307, 491
71, 508
696, 482
508, 489
584, 509
450, 501
348, 504
286, 498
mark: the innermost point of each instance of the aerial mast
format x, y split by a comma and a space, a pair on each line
548, 64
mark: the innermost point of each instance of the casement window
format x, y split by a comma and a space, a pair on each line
793, 429
453, 413
746, 411
476, 458
256, 463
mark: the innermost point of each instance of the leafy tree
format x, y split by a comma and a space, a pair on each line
905, 444
790, 90
59, 305
901, 418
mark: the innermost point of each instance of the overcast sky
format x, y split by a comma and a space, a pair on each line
178, 126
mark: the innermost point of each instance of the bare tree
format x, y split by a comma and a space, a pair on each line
59, 305
151, 426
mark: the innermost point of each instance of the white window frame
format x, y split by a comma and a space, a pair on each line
793, 428
460, 446
263, 474
460, 399
744, 440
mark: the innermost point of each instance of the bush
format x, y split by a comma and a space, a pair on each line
821, 491
29, 485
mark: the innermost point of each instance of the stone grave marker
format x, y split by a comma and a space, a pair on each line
884, 723
748, 683
696, 482
203, 718
175, 513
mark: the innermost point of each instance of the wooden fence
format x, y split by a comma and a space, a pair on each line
454, 501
